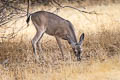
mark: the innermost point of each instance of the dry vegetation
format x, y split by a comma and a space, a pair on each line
101, 49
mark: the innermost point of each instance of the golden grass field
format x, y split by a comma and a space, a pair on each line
101, 48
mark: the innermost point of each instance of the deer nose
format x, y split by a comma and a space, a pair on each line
78, 58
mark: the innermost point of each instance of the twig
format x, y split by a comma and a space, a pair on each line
28, 8
18, 9
61, 6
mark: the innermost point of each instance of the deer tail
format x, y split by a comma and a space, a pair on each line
28, 19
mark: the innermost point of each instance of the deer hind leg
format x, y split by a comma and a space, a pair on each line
35, 40
60, 45
38, 44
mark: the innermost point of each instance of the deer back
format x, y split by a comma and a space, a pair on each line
54, 25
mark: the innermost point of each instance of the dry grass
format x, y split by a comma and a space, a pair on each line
101, 50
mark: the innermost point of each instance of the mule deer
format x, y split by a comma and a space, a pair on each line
46, 22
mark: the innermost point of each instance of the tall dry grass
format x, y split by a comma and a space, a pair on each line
100, 57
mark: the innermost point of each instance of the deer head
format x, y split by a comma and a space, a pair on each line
77, 47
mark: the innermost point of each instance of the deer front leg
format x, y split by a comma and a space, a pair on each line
60, 45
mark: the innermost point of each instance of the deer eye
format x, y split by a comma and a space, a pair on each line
76, 51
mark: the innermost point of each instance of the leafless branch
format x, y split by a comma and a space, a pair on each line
9, 10
61, 6
14, 33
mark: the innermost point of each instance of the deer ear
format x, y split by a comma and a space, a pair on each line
81, 39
